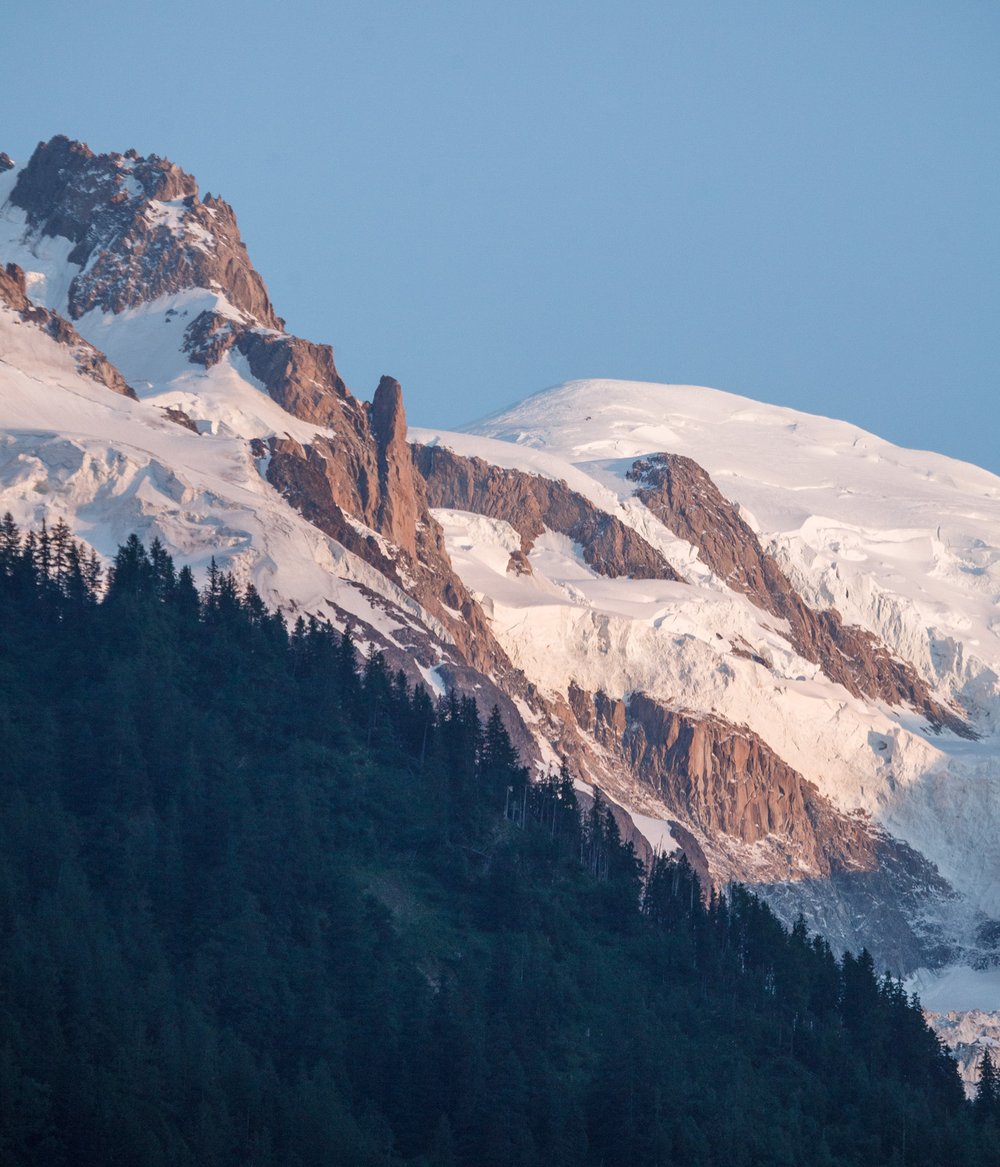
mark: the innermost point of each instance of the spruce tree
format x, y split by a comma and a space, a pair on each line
987, 1100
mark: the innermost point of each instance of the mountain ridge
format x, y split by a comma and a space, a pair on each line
522, 565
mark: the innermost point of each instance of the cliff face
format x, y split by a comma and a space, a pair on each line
739, 812
723, 780
684, 498
89, 361
362, 475
299, 374
531, 504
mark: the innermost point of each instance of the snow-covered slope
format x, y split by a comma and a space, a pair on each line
146, 340
110, 466
243, 443
905, 544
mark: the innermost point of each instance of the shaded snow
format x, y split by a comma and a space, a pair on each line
956, 988
69, 447
44, 259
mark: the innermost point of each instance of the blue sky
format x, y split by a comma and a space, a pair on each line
795, 201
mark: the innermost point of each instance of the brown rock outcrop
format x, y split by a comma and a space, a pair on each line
139, 228
179, 417
299, 374
312, 480
739, 813
730, 791
364, 470
14, 293
363, 477
364, 467
468, 656
724, 780
302, 377
518, 564
684, 498
89, 360
398, 500
531, 503
361, 484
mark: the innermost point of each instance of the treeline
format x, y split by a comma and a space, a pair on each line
262, 902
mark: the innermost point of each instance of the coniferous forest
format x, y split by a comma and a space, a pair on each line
261, 902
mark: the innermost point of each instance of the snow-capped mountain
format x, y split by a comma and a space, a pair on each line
123, 254
772, 638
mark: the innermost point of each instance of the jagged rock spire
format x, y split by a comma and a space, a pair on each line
397, 509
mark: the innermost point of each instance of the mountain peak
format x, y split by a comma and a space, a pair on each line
139, 230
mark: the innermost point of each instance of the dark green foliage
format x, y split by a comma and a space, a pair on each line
987, 1103
261, 902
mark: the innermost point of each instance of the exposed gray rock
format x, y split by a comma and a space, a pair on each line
139, 228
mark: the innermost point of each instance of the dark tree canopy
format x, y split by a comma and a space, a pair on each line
263, 902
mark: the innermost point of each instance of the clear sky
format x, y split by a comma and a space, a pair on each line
798, 201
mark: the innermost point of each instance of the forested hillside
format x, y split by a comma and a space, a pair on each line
262, 903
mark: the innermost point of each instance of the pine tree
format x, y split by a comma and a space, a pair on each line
183, 598
164, 577
10, 544
987, 1100
131, 574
